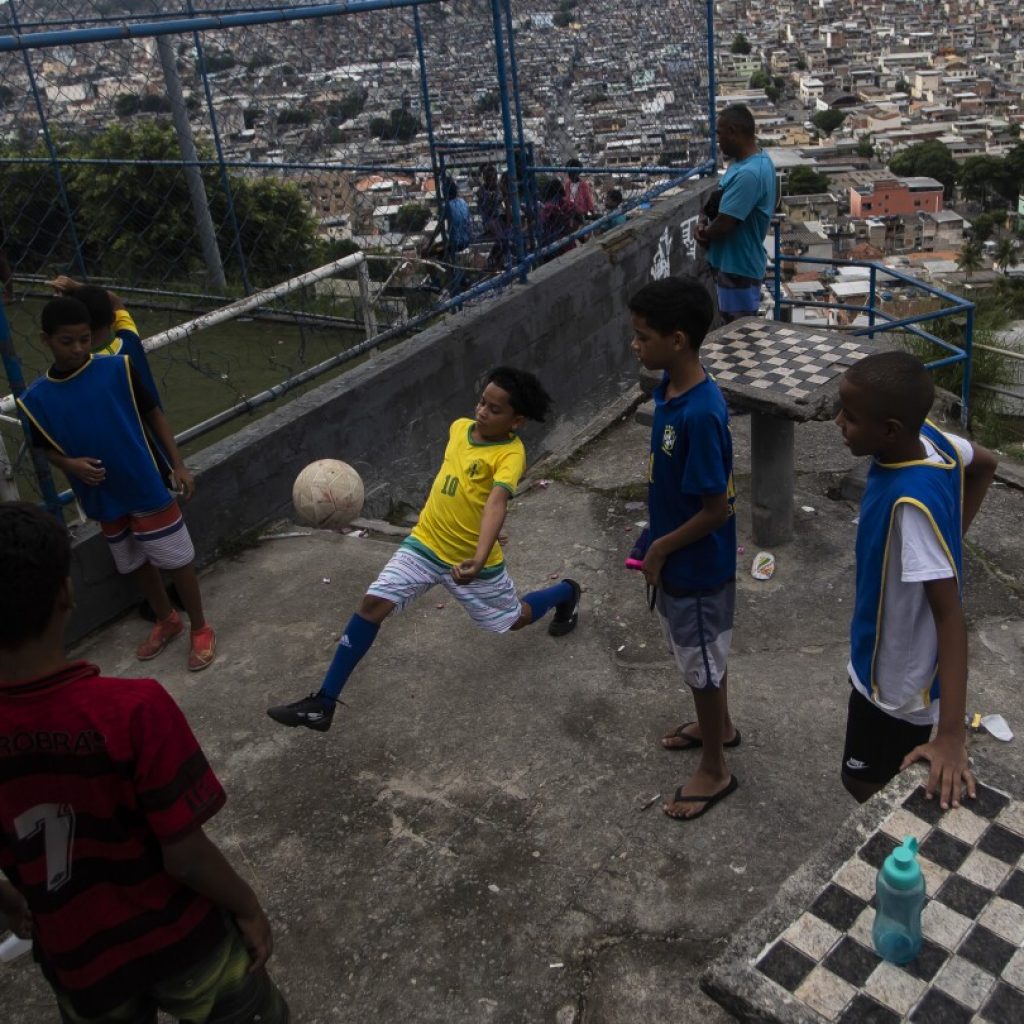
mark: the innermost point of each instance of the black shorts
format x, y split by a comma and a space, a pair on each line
876, 743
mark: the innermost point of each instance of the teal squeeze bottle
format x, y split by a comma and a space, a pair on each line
899, 889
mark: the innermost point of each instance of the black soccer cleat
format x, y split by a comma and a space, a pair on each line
314, 712
567, 613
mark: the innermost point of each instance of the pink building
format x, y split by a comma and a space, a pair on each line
895, 197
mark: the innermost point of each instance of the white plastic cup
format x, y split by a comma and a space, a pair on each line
12, 947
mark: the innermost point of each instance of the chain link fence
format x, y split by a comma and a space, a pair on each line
187, 154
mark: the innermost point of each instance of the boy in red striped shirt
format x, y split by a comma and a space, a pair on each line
103, 795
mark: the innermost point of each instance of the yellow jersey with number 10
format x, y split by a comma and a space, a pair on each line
449, 525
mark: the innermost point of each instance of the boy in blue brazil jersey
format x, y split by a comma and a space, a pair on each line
691, 559
455, 543
908, 638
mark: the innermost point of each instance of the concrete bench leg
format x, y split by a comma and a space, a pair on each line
771, 478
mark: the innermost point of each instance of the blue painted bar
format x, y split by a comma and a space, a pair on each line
196, 23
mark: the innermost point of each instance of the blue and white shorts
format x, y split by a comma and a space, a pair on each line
492, 603
698, 628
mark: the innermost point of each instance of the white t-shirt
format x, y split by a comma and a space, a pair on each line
908, 645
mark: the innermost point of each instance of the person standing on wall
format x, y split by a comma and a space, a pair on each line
737, 217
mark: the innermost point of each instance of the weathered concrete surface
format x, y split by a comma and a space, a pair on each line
473, 817
389, 416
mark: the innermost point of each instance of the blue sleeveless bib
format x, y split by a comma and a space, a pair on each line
937, 490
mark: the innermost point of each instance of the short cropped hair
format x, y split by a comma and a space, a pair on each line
676, 304
614, 194
63, 311
740, 117
897, 385
35, 558
97, 301
526, 394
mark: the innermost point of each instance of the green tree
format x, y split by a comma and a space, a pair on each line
251, 114
126, 104
927, 160
154, 103
411, 217
350, 105
740, 44
828, 121
983, 179
983, 227
970, 259
219, 62
294, 115
1006, 254
399, 124
561, 19
805, 181
865, 148
135, 221
489, 102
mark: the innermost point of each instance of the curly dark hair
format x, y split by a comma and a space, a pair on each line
35, 559
526, 394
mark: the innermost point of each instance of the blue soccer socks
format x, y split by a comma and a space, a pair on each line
542, 601
354, 643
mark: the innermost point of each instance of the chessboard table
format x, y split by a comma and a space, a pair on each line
782, 374
809, 959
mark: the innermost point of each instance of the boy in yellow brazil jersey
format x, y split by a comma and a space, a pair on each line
455, 543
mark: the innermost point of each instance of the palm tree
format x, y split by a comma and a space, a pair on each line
970, 258
1006, 254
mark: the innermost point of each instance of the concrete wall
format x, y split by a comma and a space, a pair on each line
389, 417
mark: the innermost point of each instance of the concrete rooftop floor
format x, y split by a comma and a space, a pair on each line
467, 844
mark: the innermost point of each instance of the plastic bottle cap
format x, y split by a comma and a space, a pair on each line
901, 869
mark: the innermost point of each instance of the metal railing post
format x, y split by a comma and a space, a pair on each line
965, 391
366, 299
777, 283
506, 123
709, 8
872, 298
428, 121
51, 148
193, 173
12, 367
225, 180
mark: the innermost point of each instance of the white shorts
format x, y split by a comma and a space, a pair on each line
159, 537
491, 603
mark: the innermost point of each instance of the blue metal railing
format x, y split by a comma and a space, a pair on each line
958, 306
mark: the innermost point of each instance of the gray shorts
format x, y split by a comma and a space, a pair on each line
698, 628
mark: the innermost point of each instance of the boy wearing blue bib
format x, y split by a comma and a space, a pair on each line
691, 559
908, 638
93, 415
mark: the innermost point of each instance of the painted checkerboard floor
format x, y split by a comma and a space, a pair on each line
769, 356
971, 967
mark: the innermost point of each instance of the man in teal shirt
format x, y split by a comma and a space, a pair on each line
735, 232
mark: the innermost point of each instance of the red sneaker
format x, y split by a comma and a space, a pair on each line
203, 650
160, 636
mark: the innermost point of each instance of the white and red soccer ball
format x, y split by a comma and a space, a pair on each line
328, 494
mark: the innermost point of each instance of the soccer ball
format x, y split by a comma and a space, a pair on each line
328, 494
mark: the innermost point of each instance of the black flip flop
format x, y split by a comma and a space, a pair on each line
693, 743
707, 801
